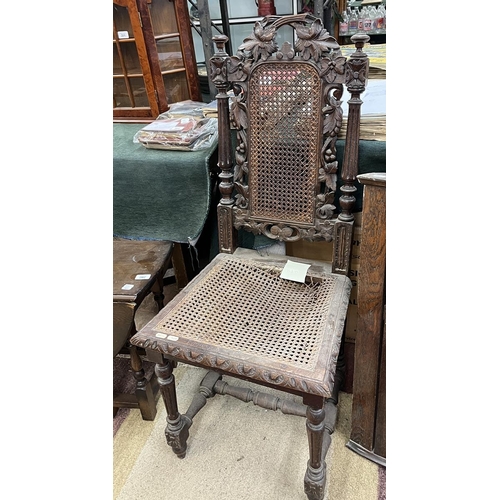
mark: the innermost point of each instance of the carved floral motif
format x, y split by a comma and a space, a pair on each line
313, 43
313, 40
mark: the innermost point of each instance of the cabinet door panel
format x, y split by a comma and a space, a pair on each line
130, 93
175, 47
163, 17
133, 80
126, 60
170, 54
176, 87
152, 48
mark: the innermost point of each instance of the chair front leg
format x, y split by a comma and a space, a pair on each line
315, 477
177, 430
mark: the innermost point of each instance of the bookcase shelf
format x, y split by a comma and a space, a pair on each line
154, 62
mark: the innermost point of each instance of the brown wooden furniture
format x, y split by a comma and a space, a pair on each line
138, 269
154, 62
368, 400
239, 318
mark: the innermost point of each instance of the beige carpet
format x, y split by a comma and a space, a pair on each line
250, 453
235, 451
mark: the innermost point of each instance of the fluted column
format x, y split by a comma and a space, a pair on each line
356, 76
218, 74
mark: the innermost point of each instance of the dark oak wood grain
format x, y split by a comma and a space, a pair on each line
368, 406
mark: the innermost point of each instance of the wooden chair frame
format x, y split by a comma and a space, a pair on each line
314, 65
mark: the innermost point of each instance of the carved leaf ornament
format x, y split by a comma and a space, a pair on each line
313, 40
211, 361
261, 43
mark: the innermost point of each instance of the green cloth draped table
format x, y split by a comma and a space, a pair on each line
159, 194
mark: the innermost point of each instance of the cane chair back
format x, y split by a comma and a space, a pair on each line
239, 317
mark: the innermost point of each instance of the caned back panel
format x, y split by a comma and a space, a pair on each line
284, 100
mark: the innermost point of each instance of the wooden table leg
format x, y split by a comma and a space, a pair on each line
179, 266
143, 389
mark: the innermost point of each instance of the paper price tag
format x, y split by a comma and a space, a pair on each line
295, 271
127, 287
143, 277
164, 336
122, 34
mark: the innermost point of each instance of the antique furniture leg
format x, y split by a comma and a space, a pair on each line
146, 388
143, 389
179, 266
177, 430
205, 391
315, 477
157, 290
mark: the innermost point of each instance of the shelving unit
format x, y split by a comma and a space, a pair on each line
154, 60
375, 37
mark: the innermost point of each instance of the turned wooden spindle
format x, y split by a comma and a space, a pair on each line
205, 391
218, 74
261, 399
219, 77
356, 76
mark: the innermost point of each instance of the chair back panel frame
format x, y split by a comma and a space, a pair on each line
284, 123
287, 149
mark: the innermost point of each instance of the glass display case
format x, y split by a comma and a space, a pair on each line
154, 61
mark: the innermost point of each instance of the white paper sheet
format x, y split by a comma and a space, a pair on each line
295, 271
373, 99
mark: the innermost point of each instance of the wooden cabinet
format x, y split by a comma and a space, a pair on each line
154, 62
368, 398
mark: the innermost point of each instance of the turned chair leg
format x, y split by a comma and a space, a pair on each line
177, 430
315, 477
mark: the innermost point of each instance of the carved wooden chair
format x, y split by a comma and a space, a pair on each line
239, 318
138, 270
